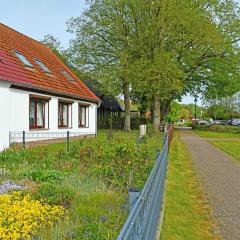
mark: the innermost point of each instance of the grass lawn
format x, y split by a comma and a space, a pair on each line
231, 147
187, 213
90, 182
212, 134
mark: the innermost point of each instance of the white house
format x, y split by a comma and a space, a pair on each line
38, 93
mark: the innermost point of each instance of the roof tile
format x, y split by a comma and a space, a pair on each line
13, 70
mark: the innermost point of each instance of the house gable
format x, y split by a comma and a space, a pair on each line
35, 78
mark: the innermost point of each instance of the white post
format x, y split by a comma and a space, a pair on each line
143, 130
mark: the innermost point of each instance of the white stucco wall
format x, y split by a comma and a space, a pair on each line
4, 115
14, 109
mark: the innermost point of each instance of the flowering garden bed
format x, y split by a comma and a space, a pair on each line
80, 194
21, 217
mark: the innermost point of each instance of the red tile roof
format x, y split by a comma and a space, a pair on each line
14, 71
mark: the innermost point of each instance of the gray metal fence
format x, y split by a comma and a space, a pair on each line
143, 220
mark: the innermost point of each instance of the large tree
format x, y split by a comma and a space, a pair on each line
159, 50
102, 46
190, 39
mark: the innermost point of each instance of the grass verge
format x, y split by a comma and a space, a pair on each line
231, 147
187, 213
212, 134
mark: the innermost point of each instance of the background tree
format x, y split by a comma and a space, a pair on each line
184, 51
102, 46
160, 50
52, 42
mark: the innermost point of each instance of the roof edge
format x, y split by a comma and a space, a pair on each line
27, 87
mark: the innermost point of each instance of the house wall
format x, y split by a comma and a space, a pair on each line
14, 108
4, 115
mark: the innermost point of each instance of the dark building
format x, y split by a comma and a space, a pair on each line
109, 105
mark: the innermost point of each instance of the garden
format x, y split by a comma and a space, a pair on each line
47, 192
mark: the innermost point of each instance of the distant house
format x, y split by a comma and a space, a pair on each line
38, 93
109, 105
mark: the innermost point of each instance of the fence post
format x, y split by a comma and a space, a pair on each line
165, 137
157, 154
133, 195
24, 139
68, 134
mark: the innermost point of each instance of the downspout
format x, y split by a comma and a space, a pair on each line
98, 106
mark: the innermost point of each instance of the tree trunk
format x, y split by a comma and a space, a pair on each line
164, 109
127, 116
156, 112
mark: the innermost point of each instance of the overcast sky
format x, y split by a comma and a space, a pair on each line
36, 18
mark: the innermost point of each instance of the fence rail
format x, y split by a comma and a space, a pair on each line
35, 138
143, 219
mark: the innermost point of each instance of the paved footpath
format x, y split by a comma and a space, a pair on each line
220, 176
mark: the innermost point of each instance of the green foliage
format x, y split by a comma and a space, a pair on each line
16, 155
175, 113
231, 147
52, 42
91, 180
122, 164
217, 134
118, 123
44, 175
95, 215
225, 108
55, 194
218, 112
218, 128
151, 130
161, 49
191, 108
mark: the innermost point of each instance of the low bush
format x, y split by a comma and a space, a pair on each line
55, 194
44, 175
123, 164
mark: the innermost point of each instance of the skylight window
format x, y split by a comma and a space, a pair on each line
68, 76
41, 65
23, 60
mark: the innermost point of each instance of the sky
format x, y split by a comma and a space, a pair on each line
36, 18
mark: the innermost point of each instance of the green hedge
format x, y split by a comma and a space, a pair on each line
117, 123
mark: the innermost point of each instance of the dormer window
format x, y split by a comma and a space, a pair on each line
42, 66
23, 60
67, 75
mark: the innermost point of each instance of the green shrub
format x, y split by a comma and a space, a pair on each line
151, 130
16, 155
55, 194
117, 123
44, 175
122, 164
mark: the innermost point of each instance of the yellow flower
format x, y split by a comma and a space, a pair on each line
22, 217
